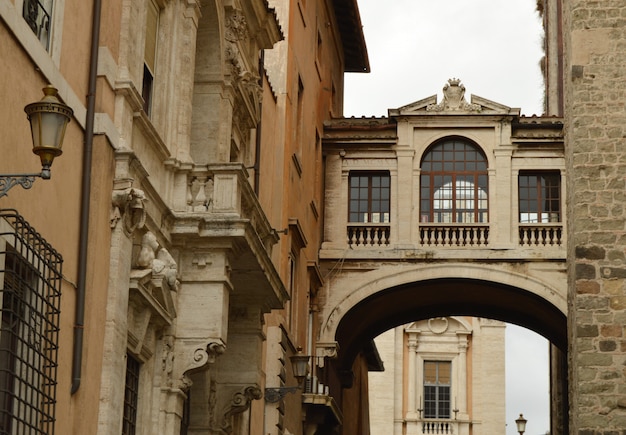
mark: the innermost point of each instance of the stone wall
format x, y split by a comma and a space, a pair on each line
594, 36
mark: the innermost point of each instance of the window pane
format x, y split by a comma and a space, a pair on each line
458, 179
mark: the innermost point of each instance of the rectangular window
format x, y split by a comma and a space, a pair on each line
539, 197
38, 15
30, 277
437, 377
131, 395
369, 197
150, 53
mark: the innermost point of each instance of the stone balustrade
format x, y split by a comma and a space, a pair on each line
437, 427
450, 234
540, 234
368, 235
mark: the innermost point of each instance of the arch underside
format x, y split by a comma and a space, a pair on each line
405, 303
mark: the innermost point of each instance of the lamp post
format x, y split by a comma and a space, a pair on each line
48, 120
300, 368
521, 424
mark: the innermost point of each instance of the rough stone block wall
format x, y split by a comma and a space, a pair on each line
595, 117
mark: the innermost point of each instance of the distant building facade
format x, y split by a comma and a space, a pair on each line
442, 375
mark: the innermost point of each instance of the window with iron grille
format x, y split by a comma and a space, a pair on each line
131, 395
539, 197
453, 183
30, 278
37, 14
437, 376
369, 197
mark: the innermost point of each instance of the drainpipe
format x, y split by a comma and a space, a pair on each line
79, 315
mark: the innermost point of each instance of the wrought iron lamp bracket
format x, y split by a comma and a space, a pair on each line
273, 395
7, 181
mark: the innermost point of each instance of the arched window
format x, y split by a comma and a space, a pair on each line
454, 183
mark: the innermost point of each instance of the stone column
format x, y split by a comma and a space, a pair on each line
412, 381
403, 199
336, 190
501, 220
398, 380
460, 400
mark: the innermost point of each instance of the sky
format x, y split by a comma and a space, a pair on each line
494, 47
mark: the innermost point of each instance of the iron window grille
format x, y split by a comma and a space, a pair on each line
30, 278
454, 183
131, 395
37, 14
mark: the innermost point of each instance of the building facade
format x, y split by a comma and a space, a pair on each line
188, 221
165, 275
453, 207
447, 376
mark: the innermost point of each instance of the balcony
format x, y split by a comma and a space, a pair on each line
218, 211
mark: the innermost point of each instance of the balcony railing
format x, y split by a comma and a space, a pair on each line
437, 426
451, 234
540, 234
368, 235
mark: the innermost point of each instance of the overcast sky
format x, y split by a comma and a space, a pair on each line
494, 47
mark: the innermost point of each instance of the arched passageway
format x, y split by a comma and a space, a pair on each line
442, 297
453, 296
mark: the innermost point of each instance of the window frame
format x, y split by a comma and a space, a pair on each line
526, 202
384, 204
465, 180
441, 404
131, 395
150, 60
41, 25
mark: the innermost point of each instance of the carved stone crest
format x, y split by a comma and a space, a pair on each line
453, 99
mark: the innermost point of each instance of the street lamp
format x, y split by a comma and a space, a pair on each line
521, 424
48, 120
300, 368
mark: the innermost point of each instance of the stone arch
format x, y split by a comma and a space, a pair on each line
442, 290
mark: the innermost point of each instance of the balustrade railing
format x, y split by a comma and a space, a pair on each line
437, 426
454, 234
368, 235
223, 192
540, 235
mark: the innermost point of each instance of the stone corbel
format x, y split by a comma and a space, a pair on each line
179, 364
325, 350
129, 207
239, 403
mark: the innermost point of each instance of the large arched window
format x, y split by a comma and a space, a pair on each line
454, 183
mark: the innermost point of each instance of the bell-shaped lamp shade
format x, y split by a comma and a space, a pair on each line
48, 121
300, 365
521, 424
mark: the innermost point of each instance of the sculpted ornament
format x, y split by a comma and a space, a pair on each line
201, 357
236, 27
155, 257
129, 206
240, 402
453, 99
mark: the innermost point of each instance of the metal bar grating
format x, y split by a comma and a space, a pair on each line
30, 277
